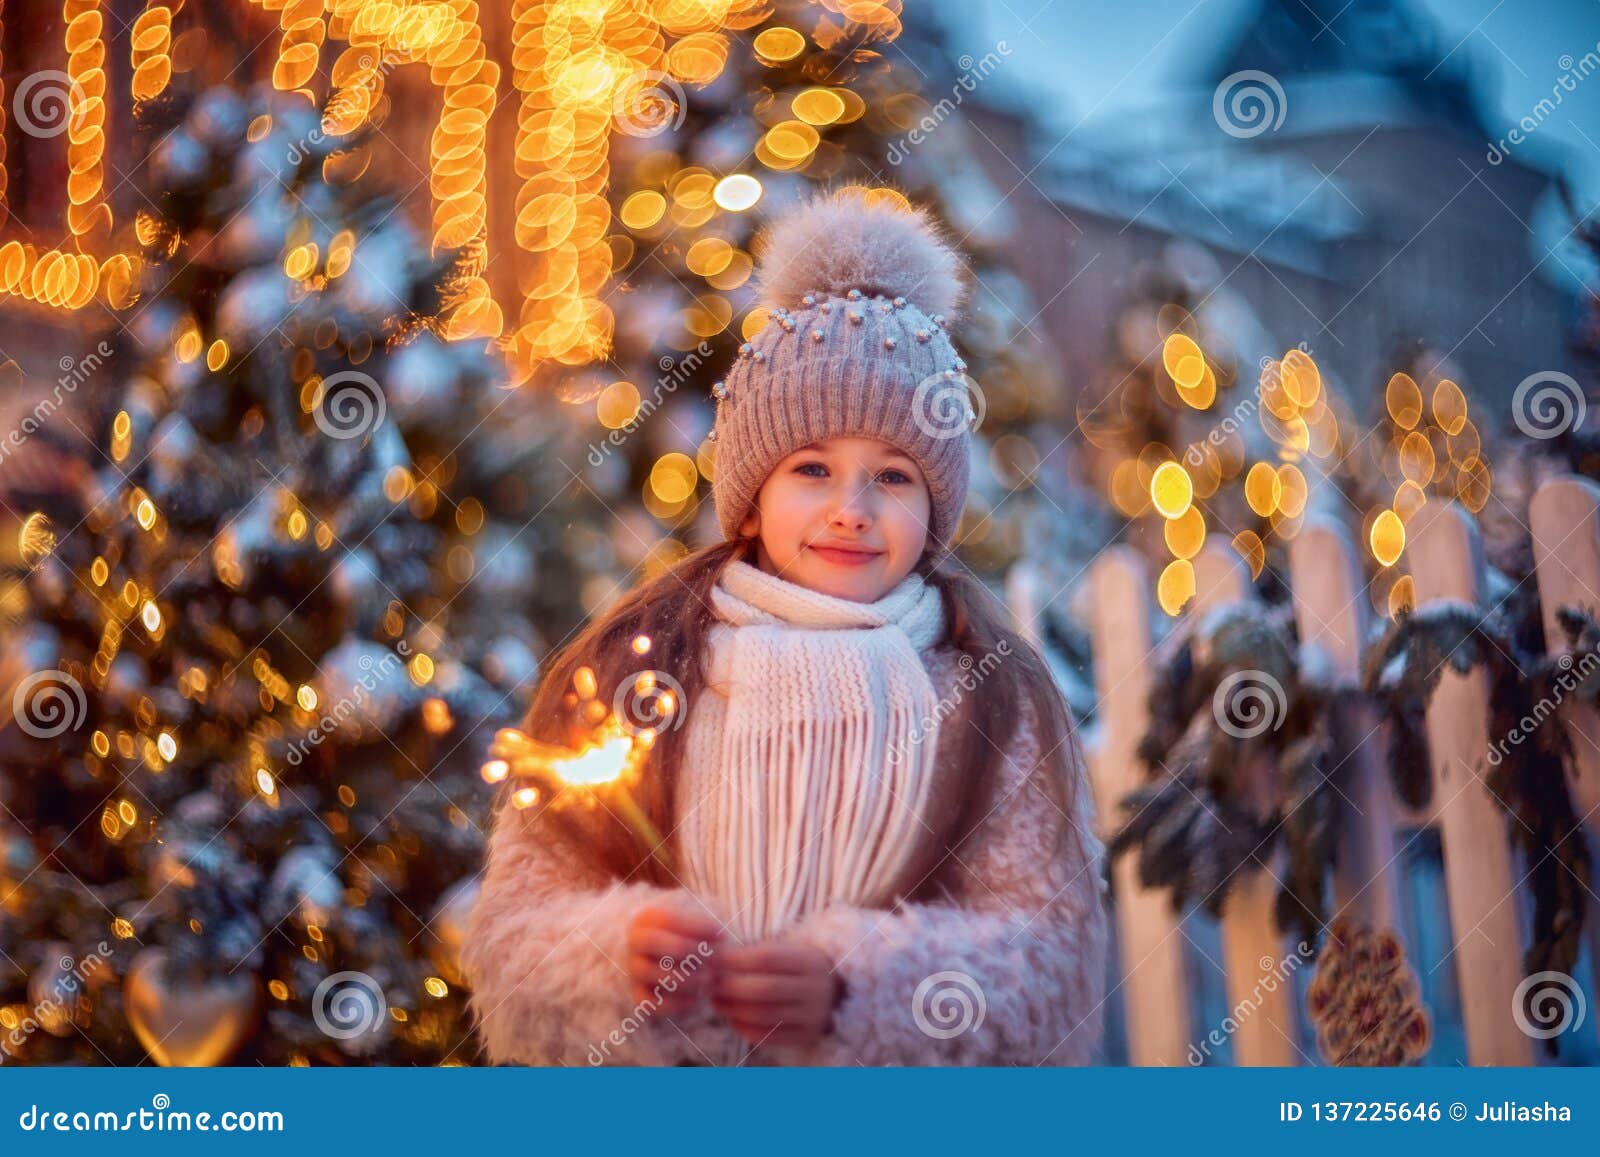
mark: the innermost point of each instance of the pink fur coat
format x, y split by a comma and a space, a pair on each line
1008, 967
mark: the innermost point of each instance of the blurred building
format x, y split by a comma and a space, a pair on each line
1369, 220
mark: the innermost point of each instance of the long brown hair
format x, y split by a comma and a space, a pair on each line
673, 611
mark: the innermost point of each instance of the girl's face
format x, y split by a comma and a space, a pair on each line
848, 517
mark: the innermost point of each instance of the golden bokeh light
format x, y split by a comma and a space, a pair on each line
777, 45
1171, 491
1176, 585
1302, 381
1183, 361
1387, 538
1403, 400
1263, 488
1449, 407
1186, 534
1249, 546
1402, 596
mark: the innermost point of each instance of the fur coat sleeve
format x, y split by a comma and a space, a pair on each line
1008, 966
545, 954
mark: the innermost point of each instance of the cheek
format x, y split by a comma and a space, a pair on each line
912, 518
800, 503
785, 512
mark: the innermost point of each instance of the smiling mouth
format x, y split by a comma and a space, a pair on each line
843, 556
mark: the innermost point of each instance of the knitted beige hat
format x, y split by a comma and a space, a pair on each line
860, 290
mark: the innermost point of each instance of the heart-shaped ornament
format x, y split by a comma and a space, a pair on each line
187, 1021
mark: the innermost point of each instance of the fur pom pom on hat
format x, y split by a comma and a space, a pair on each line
843, 241
861, 289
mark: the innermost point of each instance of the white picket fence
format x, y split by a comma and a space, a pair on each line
1445, 557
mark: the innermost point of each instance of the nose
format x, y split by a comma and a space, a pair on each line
854, 510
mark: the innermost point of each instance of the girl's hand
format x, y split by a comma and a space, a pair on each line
670, 957
776, 992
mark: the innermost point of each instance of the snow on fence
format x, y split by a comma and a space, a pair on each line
1445, 557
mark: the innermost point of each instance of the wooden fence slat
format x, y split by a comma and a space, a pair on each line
1155, 986
1252, 948
1445, 557
1331, 610
1564, 517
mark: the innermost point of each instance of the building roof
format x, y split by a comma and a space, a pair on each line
1392, 41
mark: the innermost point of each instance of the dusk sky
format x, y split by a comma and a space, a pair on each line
1105, 63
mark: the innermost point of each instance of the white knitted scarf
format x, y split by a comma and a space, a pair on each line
824, 766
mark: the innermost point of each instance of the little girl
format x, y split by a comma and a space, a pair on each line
882, 845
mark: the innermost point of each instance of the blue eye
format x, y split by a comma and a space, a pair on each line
895, 477
805, 466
